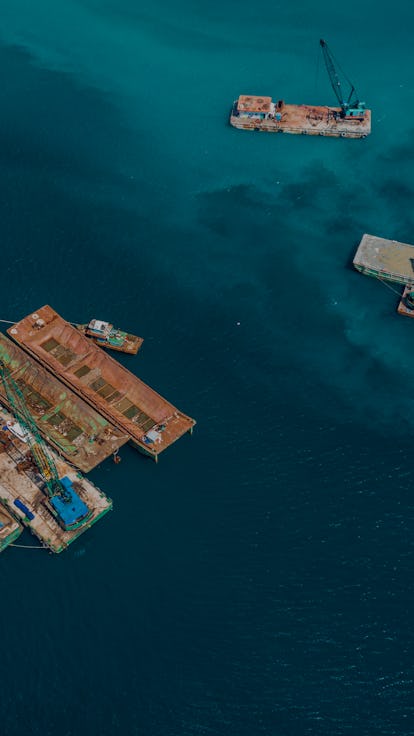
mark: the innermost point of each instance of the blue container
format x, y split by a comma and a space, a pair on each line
20, 505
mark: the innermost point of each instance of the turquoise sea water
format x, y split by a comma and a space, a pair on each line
258, 581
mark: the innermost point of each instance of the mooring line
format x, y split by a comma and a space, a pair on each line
26, 546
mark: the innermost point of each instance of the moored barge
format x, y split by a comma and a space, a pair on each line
54, 519
385, 259
389, 260
150, 422
66, 421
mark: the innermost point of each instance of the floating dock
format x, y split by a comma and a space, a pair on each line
10, 529
65, 420
385, 259
150, 422
22, 492
251, 112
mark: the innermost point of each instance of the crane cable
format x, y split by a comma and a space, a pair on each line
317, 72
389, 286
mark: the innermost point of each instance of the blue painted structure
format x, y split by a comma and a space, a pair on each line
71, 511
20, 505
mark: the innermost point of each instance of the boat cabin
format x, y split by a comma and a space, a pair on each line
98, 328
258, 108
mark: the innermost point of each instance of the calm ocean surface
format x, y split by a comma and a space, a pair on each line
259, 580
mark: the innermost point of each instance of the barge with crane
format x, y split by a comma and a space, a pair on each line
350, 119
40, 490
65, 406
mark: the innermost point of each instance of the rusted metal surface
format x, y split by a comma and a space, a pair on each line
385, 259
27, 487
300, 119
403, 308
78, 432
253, 103
151, 422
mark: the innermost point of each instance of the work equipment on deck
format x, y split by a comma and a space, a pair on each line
38, 449
351, 106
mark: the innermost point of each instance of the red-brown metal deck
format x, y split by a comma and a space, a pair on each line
248, 114
151, 422
67, 422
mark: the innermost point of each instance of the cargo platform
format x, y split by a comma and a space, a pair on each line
150, 421
20, 482
385, 259
67, 422
251, 112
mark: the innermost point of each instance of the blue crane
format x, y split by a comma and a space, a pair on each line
64, 503
351, 106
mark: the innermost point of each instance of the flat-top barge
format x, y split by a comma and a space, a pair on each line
385, 259
261, 113
10, 529
349, 120
389, 260
56, 521
66, 421
107, 336
150, 422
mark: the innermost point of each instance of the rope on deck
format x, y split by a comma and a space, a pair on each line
10, 322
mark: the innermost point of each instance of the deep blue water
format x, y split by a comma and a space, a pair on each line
259, 580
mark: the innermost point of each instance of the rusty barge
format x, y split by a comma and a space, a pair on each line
65, 406
70, 425
350, 119
141, 415
27, 500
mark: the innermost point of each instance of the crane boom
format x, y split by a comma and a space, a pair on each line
62, 500
41, 456
351, 107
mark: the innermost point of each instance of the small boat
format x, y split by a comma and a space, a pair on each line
107, 336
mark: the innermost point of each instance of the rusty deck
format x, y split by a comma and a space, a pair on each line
78, 432
27, 486
403, 308
300, 119
151, 422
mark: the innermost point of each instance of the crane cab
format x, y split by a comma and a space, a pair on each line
69, 509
